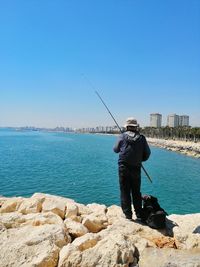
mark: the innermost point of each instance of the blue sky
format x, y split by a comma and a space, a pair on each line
142, 56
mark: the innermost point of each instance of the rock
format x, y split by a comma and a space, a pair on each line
114, 213
2, 200
65, 260
112, 251
20, 255
76, 229
11, 220
55, 205
185, 230
11, 204
32, 245
184, 224
90, 236
42, 219
87, 241
71, 210
97, 208
93, 223
31, 205
16, 219
82, 209
42, 197
169, 258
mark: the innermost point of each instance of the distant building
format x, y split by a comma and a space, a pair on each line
155, 120
183, 120
173, 120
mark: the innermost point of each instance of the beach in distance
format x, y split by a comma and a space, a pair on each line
188, 148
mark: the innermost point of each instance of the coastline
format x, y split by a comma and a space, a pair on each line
188, 148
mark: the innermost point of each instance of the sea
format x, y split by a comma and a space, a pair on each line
84, 167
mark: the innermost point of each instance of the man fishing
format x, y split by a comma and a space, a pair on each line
133, 149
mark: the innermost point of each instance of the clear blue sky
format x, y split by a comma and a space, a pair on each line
142, 56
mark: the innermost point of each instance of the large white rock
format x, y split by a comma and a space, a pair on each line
82, 209
42, 219
93, 223
111, 251
12, 220
71, 210
76, 229
16, 219
11, 204
64, 256
97, 208
2, 200
114, 213
186, 229
30, 205
32, 245
169, 257
42, 197
87, 241
54, 204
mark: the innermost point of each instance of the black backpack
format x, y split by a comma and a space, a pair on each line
153, 215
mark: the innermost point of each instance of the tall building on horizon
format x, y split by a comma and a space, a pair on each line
155, 120
172, 120
183, 120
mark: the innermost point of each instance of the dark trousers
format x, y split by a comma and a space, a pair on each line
130, 182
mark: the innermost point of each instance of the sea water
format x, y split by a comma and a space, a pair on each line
84, 167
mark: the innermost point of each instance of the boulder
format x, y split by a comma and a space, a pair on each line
31, 205
169, 257
93, 223
42, 219
82, 209
55, 205
71, 210
11, 204
185, 230
16, 219
111, 251
76, 229
12, 220
87, 241
32, 245
114, 213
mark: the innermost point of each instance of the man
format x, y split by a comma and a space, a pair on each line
133, 149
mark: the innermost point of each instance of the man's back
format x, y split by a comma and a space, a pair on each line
132, 148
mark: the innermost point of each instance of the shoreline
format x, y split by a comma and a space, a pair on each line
187, 148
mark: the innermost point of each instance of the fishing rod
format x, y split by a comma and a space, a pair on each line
120, 130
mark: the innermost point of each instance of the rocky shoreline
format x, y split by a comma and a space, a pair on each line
50, 231
184, 147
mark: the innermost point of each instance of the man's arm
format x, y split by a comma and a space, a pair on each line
116, 148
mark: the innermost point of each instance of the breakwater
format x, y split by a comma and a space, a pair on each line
184, 147
47, 230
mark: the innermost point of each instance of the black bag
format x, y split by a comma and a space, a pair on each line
153, 215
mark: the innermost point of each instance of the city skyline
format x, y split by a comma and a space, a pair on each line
142, 57
172, 120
